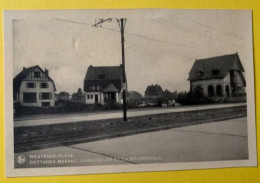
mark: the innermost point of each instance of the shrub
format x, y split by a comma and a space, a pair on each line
193, 99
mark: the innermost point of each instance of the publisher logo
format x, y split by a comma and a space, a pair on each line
21, 159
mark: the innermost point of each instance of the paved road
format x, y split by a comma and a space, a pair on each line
110, 115
223, 140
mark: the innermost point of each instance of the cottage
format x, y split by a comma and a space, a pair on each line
104, 84
219, 78
33, 87
154, 91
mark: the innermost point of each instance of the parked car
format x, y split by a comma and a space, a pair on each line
143, 104
177, 104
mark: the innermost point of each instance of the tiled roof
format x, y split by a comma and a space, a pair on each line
221, 64
22, 75
153, 90
103, 76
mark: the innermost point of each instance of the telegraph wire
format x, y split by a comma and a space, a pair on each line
183, 28
140, 36
217, 30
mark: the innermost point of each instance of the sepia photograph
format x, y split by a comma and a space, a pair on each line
106, 91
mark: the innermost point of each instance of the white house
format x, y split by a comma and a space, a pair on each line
33, 87
103, 84
219, 78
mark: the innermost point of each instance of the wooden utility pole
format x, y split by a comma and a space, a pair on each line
121, 22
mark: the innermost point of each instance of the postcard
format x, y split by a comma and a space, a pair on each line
109, 91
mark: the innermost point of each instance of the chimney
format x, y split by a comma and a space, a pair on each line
47, 72
24, 68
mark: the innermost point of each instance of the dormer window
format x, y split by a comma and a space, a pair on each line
90, 88
215, 71
199, 73
36, 74
102, 76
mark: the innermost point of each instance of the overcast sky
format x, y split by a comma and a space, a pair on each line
160, 45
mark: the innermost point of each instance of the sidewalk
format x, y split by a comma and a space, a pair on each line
216, 141
115, 114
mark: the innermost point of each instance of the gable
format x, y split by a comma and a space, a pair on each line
28, 74
237, 65
36, 74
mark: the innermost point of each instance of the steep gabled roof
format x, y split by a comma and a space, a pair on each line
110, 72
221, 63
104, 76
22, 75
153, 90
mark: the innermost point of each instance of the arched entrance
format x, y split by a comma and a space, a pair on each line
211, 92
219, 90
227, 91
198, 91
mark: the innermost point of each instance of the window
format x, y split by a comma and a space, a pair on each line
215, 71
45, 96
30, 85
235, 73
91, 96
102, 76
92, 88
44, 85
29, 97
199, 73
96, 88
36, 74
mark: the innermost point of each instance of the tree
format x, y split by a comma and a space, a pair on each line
168, 95
79, 96
64, 96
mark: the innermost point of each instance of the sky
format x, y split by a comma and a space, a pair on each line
160, 45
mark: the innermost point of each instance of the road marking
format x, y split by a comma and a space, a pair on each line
110, 156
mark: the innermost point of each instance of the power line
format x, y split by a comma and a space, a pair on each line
201, 33
213, 28
183, 28
176, 26
110, 29
72, 21
140, 36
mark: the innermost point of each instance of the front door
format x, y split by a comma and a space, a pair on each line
96, 98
